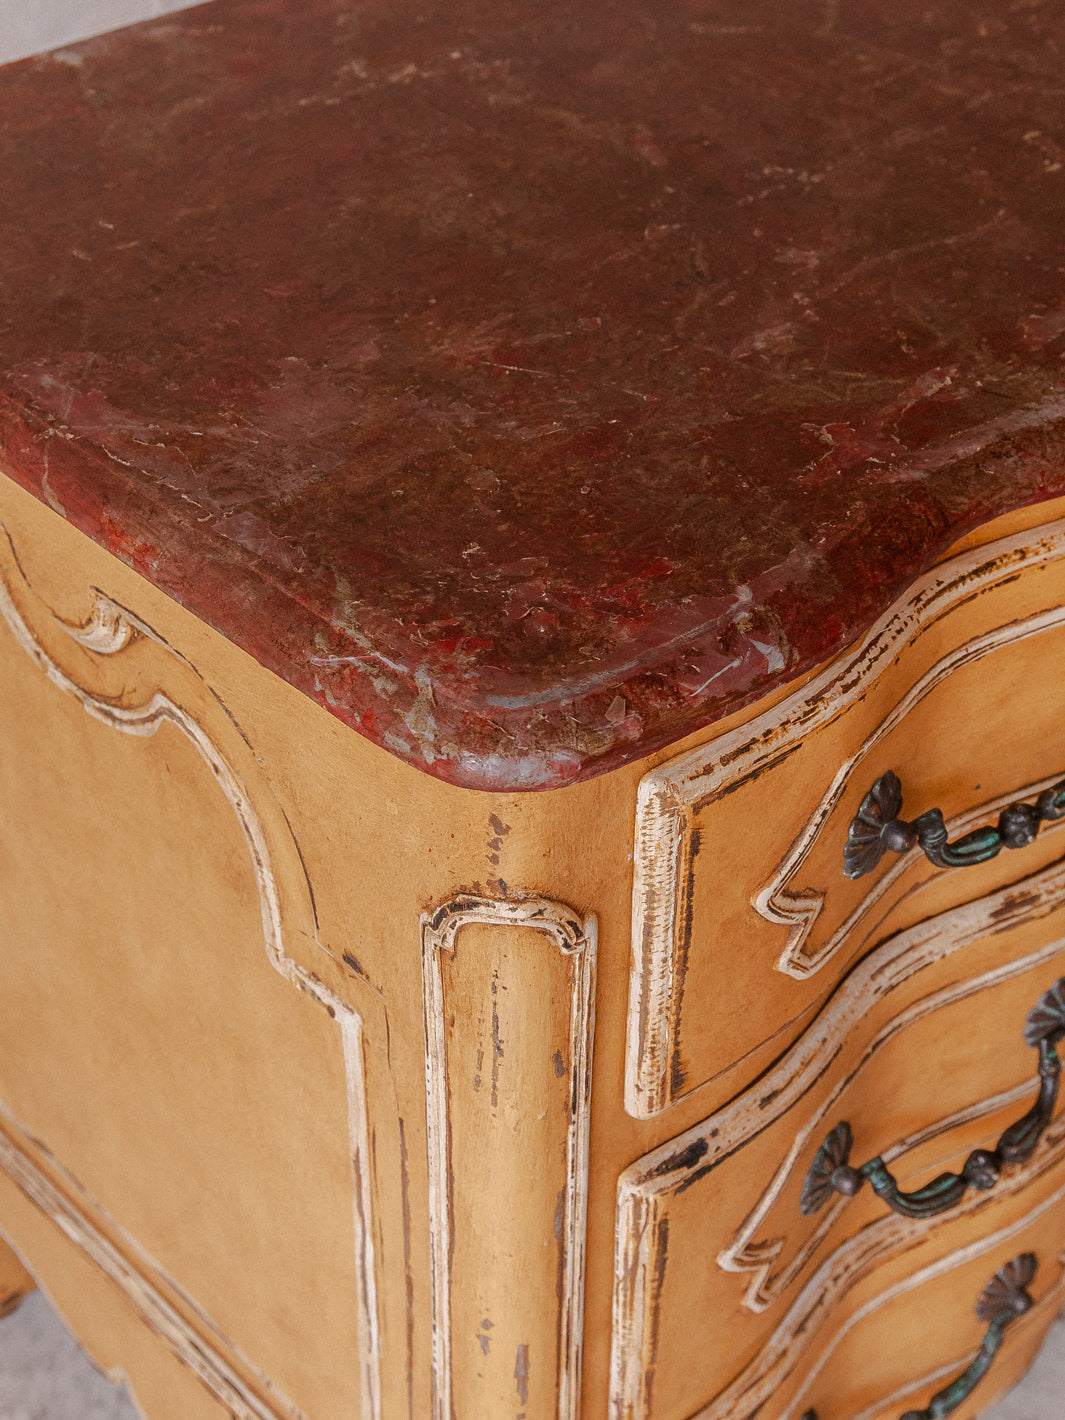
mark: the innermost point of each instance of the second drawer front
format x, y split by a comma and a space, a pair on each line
922, 1051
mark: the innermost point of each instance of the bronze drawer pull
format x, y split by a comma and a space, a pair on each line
1005, 1298
831, 1171
877, 827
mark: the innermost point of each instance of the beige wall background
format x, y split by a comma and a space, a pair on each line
31, 26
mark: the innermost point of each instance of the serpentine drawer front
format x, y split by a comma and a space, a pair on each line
921, 1053
977, 1332
741, 841
532, 779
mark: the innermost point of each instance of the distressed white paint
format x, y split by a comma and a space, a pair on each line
575, 939
798, 912
33, 26
671, 794
110, 630
203, 1348
993, 1245
921, 1387
645, 1188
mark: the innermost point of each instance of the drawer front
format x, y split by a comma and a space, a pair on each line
907, 1342
739, 843
724, 1287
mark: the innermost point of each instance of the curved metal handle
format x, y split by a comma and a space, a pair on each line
877, 828
831, 1170
1003, 1300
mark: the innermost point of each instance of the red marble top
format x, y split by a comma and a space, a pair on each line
533, 383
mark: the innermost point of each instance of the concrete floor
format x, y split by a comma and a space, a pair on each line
1039, 1395
44, 1376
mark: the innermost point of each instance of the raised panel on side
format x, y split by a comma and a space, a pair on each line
179, 1094
508, 998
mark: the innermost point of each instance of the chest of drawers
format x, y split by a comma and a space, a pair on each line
509, 530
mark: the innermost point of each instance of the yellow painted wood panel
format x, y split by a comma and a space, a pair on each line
509, 1054
739, 856
15, 1282
218, 1032
923, 1055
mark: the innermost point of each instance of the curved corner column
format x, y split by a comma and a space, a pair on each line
509, 992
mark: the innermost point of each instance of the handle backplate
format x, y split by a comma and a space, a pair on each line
832, 1172
878, 828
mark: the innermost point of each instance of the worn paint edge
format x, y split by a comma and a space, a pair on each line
109, 630
799, 913
575, 938
674, 1165
668, 794
777, 906
191, 1345
963, 1255
1050, 1301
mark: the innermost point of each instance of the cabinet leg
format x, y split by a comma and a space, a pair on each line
15, 1282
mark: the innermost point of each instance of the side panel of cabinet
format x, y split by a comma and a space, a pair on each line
176, 1091
376, 846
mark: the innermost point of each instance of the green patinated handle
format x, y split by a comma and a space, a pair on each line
831, 1171
1005, 1298
877, 828
947, 1400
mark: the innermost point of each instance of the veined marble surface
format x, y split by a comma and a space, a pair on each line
533, 384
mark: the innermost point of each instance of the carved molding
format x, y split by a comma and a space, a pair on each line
645, 1189
156, 1298
285, 897
810, 1311
793, 910
798, 911
1045, 1308
671, 795
574, 939
990, 1243
108, 630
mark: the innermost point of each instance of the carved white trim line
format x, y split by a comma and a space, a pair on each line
730, 1403
565, 1069
645, 1252
202, 1348
746, 1252
109, 629
1049, 1302
108, 632
679, 1165
799, 911
990, 1244
670, 795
